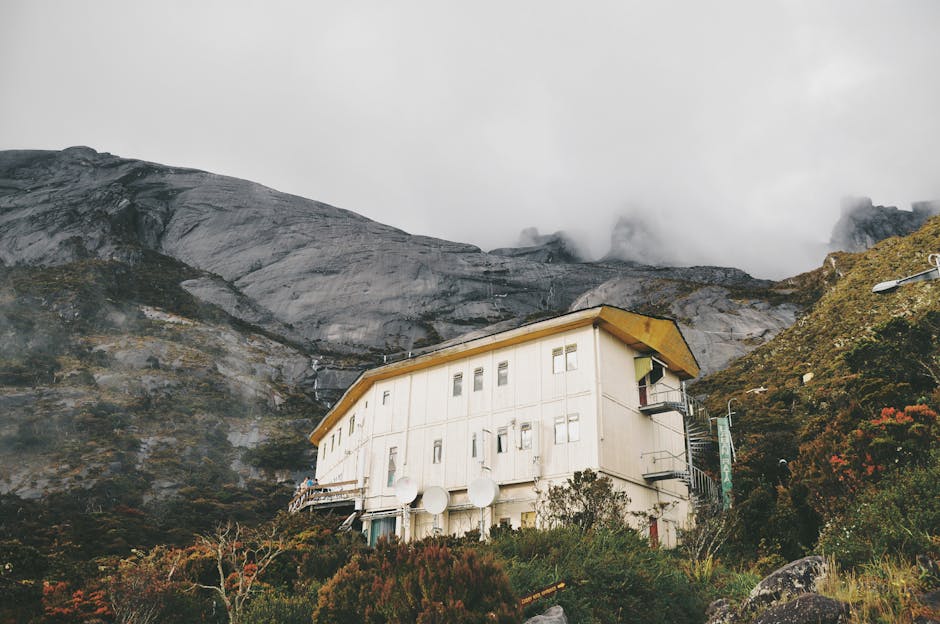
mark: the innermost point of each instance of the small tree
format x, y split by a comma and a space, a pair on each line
241, 556
586, 500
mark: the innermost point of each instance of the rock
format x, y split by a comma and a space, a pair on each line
863, 224
720, 612
790, 581
554, 615
806, 609
931, 603
547, 248
322, 277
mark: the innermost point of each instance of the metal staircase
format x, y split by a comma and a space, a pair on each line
703, 491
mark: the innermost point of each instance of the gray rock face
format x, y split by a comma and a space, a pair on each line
553, 615
336, 282
719, 325
806, 609
863, 224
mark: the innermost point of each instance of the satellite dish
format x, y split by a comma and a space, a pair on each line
482, 492
436, 499
406, 490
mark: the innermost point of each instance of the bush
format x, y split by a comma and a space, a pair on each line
613, 575
901, 516
275, 608
425, 582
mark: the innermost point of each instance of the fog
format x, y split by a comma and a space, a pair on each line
726, 133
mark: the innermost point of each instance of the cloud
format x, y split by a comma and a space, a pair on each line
736, 127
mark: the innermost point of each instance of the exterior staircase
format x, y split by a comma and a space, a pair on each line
703, 491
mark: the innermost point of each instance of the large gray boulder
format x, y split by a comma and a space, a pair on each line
806, 609
797, 577
789, 585
554, 615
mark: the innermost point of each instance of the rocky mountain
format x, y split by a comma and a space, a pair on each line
863, 224
328, 280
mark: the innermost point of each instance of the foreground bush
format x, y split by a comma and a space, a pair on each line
900, 517
425, 582
613, 575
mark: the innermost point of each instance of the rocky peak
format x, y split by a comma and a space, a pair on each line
547, 248
863, 224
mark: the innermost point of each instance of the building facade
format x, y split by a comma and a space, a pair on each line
599, 388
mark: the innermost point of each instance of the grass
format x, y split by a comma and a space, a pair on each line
885, 591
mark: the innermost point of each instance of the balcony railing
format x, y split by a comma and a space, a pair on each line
325, 495
660, 465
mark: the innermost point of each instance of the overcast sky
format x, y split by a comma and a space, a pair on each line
733, 128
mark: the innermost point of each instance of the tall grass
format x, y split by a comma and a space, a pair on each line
884, 591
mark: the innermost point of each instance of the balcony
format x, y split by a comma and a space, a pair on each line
662, 465
338, 494
660, 398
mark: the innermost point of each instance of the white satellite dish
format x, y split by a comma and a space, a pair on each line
435, 499
482, 492
406, 490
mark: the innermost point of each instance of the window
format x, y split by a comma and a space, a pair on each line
502, 440
458, 384
525, 436
386, 396
502, 374
571, 357
505, 523
339, 437
436, 455
473, 445
527, 520
567, 428
352, 424
332, 442
477, 379
392, 461
574, 428
558, 361
561, 430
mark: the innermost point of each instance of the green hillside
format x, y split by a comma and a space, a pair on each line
814, 397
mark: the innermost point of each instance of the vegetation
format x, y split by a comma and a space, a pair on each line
612, 573
886, 591
587, 501
426, 582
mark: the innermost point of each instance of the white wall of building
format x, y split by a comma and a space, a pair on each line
599, 394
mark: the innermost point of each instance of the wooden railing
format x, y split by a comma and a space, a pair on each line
323, 494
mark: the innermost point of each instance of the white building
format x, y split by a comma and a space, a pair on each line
597, 388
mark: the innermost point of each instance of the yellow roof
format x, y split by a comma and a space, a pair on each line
644, 333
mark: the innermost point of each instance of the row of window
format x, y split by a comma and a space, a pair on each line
336, 440
567, 429
502, 379
563, 359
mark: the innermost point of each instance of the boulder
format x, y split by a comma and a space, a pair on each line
796, 578
806, 609
720, 612
554, 615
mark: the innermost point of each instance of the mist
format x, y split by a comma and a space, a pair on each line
725, 133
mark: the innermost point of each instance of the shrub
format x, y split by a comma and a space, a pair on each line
424, 582
274, 608
901, 516
613, 575
586, 500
